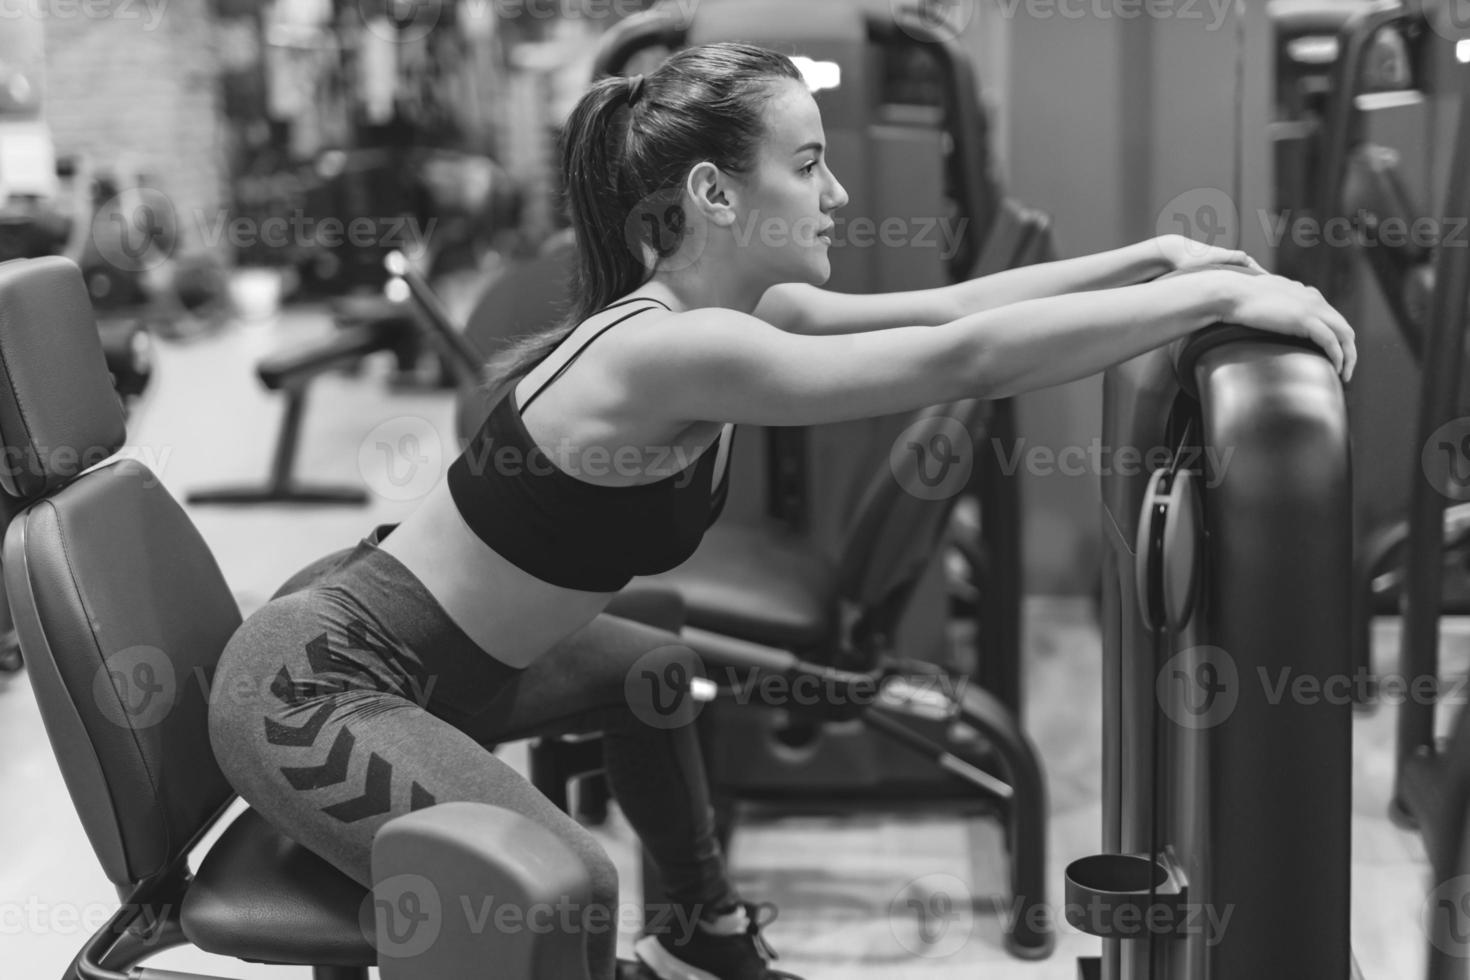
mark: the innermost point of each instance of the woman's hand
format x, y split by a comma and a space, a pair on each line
1183, 254
1285, 306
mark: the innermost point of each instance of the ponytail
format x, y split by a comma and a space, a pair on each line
626, 150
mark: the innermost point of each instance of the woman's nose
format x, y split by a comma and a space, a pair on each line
837, 196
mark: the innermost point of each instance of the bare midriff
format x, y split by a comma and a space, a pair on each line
509, 613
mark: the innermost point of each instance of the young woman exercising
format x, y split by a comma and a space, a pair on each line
702, 203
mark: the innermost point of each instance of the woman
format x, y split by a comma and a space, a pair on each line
702, 203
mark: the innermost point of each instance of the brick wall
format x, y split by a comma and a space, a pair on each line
139, 89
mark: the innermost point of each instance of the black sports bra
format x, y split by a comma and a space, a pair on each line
568, 531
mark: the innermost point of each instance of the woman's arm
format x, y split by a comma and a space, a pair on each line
804, 309
723, 365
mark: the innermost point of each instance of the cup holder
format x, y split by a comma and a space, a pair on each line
1125, 896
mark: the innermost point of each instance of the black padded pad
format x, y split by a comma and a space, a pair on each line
112, 587
260, 896
1294, 18
757, 583
59, 413
347, 346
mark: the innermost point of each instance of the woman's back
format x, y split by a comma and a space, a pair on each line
615, 493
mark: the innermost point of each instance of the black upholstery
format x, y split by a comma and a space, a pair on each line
122, 613
761, 583
894, 532
260, 896
529, 297
56, 422
85, 570
347, 346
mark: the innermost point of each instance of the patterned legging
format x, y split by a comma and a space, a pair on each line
351, 698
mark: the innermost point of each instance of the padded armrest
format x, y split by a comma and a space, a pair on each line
352, 310
651, 605
344, 347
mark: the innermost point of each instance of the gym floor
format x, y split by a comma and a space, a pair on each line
206, 421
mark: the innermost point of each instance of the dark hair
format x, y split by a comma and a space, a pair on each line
625, 152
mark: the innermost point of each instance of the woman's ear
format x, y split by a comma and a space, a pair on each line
712, 193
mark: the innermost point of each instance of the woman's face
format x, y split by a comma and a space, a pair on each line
784, 222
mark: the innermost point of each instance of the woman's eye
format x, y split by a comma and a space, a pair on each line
809, 167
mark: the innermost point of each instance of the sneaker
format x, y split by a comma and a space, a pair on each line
730, 949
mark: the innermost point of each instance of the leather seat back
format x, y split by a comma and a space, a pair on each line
526, 299
120, 608
906, 506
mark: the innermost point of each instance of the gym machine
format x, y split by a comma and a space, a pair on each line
1432, 776
122, 614
908, 138
1375, 150
1226, 789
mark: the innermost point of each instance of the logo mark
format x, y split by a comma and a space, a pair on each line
933, 916
1445, 459
659, 687
135, 687
933, 458
1447, 917
405, 21
942, 20
402, 916
1198, 688
402, 458
1205, 215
